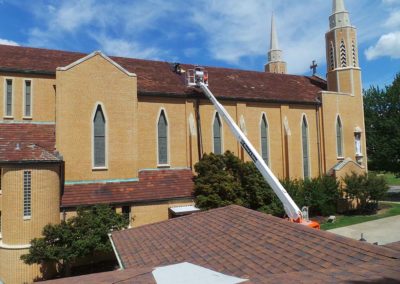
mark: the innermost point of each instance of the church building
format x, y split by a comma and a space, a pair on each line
82, 129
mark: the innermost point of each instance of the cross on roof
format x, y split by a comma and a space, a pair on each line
314, 66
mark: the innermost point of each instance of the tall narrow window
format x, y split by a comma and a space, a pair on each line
28, 99
9, 97
306, 156
343, 56
99, 138
339, 137
264, 140
27, 194
217, 135
162, 139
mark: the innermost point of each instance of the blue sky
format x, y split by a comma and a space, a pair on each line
229, 33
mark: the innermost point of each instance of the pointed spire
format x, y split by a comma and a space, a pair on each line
274, 38
338, 6
275, 64
340, 17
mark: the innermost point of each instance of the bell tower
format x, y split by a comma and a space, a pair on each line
275, 62
343, 72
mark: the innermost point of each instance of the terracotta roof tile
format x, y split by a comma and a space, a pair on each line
394, 246
27, 142
152, 185
245, 243
137, 276
156, 77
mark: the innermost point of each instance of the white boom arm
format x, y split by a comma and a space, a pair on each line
291, 209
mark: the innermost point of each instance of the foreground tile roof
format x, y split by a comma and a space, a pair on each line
394, 246
152, 185
137, 276
156, 77
252, 245
27, 142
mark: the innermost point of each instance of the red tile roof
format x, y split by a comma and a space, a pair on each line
252, 245
156, 77
152, 185
27, 142
394, 246
137, 276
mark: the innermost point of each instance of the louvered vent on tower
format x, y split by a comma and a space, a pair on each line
343, 60
331, 57
353, 50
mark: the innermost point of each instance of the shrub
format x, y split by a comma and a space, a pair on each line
321, 195
367, 189
224, 179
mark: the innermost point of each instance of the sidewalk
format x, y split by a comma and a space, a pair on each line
383, 231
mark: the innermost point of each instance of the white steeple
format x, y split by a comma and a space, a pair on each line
340, 17
275, 63
338, 6
274, 37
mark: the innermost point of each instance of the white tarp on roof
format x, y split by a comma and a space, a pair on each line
184, 209
185, 272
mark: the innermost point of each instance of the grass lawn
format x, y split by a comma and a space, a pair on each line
391, 179
387, 209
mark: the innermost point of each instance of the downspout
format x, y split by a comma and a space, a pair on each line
199, 136
121, 266
318, 138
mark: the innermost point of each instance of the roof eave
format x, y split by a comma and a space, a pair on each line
30, 162
143, 201
27, 71
196, 96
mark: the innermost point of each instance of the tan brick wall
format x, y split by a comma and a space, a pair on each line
156, 212
276, 67
149, 111
43, 97
13, 270
351, 113
79, 90
45, 200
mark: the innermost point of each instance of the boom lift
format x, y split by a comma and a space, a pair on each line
198, 77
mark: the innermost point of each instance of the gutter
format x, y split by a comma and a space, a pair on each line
235, 99
22, 71
138, 202
34, 162
121, 265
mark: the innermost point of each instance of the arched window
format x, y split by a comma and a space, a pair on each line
332, 56
306, 155
343, 58
162, 128
264, 139
217, 137
99, 138
339, 137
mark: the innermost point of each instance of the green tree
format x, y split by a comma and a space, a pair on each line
224, 179
382, 120
81, 236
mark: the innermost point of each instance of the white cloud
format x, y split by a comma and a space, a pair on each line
8, 42
391, 2
124, 48
236, 30
394, 20
387, 45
